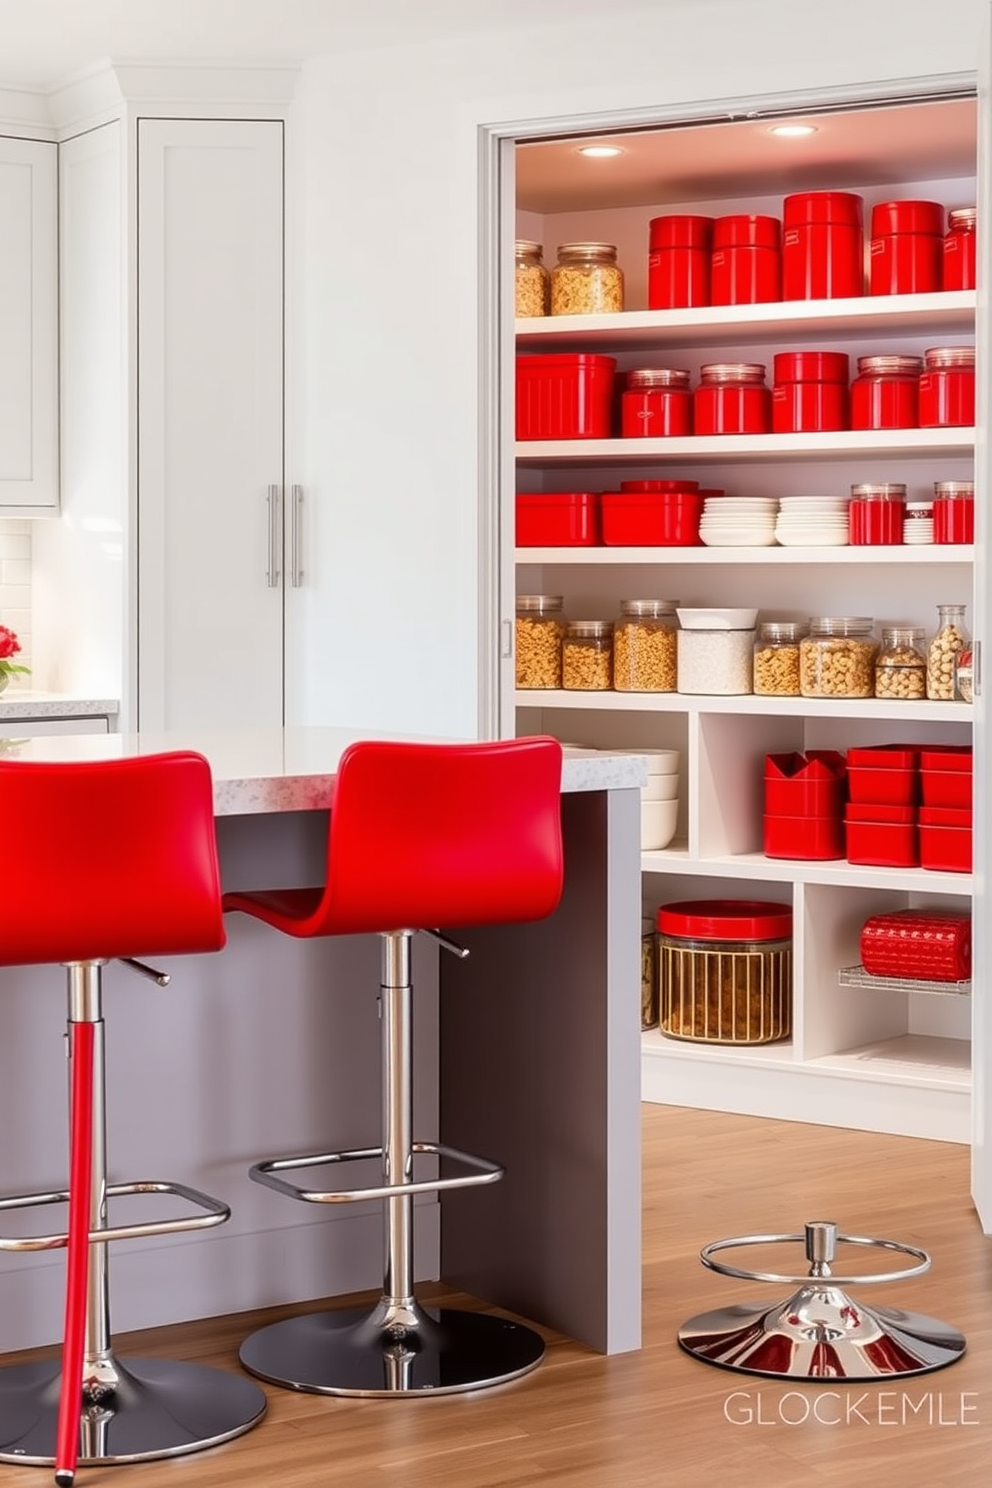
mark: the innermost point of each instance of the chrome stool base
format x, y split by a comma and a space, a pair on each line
160, 1408
819, 1332
350, 1352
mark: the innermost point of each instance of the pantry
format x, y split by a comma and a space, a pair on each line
761, 463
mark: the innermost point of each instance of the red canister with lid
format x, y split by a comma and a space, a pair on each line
810, 393
725, 970
954, 511
907, 248
876, 513
931, 945
657, 402
679, 249
732, 399
959, 249
947, 388
822, 245
886, 393
747, 260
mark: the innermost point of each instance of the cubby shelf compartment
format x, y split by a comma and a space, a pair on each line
901, 556
901, 444
746, 704
782, 321
856, 976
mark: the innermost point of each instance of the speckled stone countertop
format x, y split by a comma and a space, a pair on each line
292, 769
22, 702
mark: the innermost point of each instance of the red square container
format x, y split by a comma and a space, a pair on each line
883, 787
947, 788
945, 839
931, 944
565, 395
889, 756
810, 784
883, 844
667, 519
817, 837
557, 519
948, 757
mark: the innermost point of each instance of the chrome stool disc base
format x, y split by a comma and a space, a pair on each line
349, 1352
820, 1333
160, 1408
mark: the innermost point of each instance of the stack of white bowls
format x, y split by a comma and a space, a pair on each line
659, 798
738, 521
812, 522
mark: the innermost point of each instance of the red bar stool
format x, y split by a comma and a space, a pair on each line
106, 860
420, 835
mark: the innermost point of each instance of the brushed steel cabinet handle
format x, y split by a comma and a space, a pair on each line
296, 537
272, 572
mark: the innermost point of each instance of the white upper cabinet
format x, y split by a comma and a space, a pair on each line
28, 326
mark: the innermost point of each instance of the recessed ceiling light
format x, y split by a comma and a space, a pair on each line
792, 131
600, 152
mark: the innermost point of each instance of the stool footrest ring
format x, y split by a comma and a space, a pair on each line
214, 1213
266, 1173
707, 1253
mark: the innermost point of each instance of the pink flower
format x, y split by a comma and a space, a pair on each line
9, 644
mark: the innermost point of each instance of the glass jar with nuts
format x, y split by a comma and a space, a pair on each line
586, 280
587, 656
776, 658
901, 664
837, 658
540, 627
533, 279
942, 652
645, 646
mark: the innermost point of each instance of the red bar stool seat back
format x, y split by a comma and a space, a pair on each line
421, 836
108, 860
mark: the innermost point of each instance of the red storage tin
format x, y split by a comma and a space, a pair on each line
732, 399
954, 511
679, 249
886, 393
810, 391
813, 837
931, 945
947, 388
557, 519
822, 246
565, 395
656, 403
945, 839
883, 844
667, 519
746, 267
907, 248
875, 514
959, 249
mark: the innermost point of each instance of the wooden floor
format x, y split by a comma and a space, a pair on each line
659, 1417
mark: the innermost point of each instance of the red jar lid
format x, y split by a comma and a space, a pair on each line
680, 231
811, 366
659, 485
907, 217
806, 207
726, 919
747, 231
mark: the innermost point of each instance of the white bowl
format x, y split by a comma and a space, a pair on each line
736, 537
658, 819
717, 619
660, 761
660, 788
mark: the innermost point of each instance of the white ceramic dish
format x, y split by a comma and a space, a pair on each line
660, 788
658, 820
734, 537
660, 761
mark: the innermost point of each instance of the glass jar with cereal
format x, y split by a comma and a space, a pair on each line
837, 658
942, 652
586, 280
776, 658
645, 646
540, 627
587, 656
901, 664
533, 279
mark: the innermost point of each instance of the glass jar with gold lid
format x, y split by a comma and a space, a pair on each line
586, 280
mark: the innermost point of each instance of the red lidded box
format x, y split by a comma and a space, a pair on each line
933, 945
946, 775
557, 519
883, 844
812, 837
945, 839
565, 395
667, 519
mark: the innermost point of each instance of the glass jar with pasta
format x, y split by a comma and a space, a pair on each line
533, 279
587, 656
645, 646
586, 280
837, 658
540, 626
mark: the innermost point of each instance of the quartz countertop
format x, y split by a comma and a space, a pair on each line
25, 702
291, 769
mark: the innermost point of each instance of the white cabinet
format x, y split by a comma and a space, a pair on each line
893, 1060
211, 564
28, 317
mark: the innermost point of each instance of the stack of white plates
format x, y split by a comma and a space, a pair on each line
917, 526
812, 522
738, 521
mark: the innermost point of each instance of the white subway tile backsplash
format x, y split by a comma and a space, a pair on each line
15, 582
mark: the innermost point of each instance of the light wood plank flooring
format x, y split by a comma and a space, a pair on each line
659, 1417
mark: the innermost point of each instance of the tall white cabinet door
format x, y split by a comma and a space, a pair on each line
28, 324
210, 423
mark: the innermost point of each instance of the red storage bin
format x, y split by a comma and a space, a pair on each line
811, 784
946, 777
666, 519
933, 945
557, 519
883, 787
885, 756
565, 395
945, 839
812, 837
948, 757
883, 844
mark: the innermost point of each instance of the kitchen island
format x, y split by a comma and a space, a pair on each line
528, 1052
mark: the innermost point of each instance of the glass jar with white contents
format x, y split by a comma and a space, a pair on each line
715, 651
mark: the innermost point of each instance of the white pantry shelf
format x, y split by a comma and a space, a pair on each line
901, 556
746, 704
901, 444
